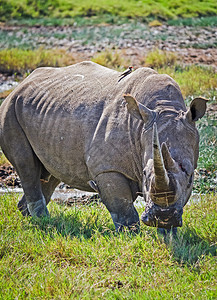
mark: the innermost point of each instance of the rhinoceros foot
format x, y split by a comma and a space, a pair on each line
131, 221
38, 208
168, 217
166, 232
22, 206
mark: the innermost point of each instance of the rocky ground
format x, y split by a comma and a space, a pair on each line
193, 44
8, 177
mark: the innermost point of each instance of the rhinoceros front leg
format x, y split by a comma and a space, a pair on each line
116, 194
48, 188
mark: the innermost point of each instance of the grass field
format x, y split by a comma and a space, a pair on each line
77, 255
162, 9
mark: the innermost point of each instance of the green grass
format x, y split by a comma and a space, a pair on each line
194, 80
75, 21
157, 59
13, 9
79, 21
203, 21
3, 159
113, 59
24, 61
206, 174
77, 255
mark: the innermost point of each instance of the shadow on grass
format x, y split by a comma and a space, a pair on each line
187, 247
72, 225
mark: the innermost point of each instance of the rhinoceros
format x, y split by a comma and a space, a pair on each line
81, 125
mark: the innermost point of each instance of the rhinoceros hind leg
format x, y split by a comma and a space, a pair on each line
116, 194
18, 150
48, 188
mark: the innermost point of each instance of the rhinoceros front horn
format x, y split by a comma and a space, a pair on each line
161, 191
161, 177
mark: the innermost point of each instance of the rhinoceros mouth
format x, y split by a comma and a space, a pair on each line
167, 218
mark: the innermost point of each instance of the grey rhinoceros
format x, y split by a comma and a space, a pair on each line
81, 125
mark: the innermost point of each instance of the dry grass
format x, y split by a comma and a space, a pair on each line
194, 80
21, 61
157, 59
3, 159
113, 59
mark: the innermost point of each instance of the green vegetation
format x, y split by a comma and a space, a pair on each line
77, 255
203, 21
194, 80
110, 19
158, 59
13, 9
203, 80
3, 159
75, 21
206, 174
112, 59
24, 61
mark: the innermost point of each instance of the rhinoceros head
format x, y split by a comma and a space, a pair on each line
170, 144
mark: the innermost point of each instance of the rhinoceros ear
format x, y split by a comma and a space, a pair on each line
138, 110
197, 109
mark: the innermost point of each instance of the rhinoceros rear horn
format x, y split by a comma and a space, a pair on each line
169, 162
138, 110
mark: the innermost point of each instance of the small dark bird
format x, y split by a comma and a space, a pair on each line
125, 73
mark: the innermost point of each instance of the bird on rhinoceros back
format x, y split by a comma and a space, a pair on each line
125, 73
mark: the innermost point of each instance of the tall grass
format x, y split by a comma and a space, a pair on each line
77, 255
113, 59
21, 61
158, 59
194, 80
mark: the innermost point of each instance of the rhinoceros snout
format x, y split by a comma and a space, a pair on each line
163, 217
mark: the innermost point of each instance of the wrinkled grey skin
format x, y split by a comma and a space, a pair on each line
73, 124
